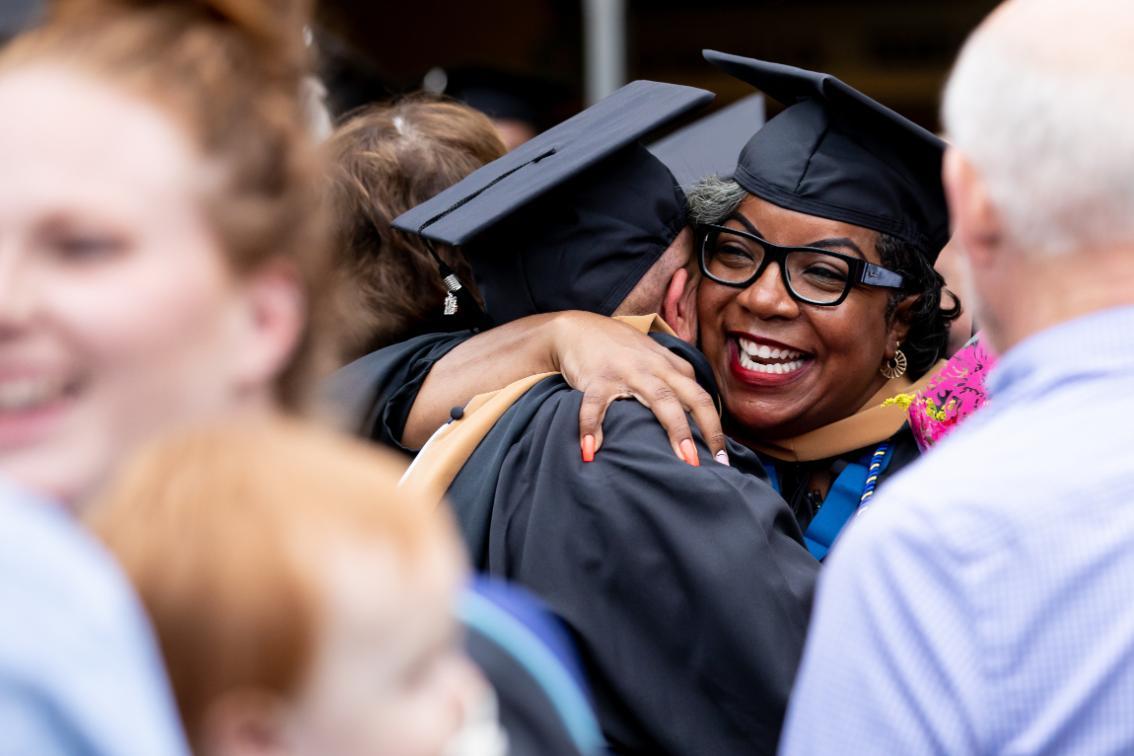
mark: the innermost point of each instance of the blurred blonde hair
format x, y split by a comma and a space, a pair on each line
222, 529
230, 72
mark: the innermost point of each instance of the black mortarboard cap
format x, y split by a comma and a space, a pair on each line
836, 153
709, 145
573, 218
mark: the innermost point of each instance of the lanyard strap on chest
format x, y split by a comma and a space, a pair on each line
852, 489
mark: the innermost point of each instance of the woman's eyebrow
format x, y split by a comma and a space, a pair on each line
840, 242
746, 223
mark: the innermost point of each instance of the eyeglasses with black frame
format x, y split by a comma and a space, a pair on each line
811, 275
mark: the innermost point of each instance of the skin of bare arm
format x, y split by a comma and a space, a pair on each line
593, 352
486, 362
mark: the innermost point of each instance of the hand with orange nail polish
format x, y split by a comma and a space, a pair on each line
689, 452
588, 448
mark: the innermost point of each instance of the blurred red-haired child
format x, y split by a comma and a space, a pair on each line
303, 603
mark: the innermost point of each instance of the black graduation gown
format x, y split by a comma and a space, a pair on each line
376, 392
687, 589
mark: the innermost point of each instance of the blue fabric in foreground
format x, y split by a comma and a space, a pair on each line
80, 671
519, 624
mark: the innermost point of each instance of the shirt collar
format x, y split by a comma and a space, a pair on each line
1101, 342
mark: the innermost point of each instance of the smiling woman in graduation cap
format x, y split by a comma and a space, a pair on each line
819, 304
818, 307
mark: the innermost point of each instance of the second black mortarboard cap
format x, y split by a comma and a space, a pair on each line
836, 153
573, 218
709, 145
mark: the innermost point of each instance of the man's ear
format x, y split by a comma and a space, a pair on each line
679, 305
976, 222
272, 317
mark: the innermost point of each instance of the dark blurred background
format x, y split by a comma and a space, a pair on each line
539, 61
898, 51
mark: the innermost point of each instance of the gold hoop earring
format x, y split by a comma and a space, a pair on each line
895, 367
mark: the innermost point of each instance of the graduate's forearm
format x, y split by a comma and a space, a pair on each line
600, 356
486, 362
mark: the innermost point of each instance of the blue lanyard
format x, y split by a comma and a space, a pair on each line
852, 489
879, 461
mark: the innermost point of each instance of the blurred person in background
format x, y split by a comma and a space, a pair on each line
164, 263
385, 160
987, 594
160, 262
304, 605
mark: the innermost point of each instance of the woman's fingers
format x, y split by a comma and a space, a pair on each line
682, 367
608, 360
704, 410
666, 405
596, 398
670, 399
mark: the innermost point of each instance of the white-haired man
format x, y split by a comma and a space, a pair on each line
985, 603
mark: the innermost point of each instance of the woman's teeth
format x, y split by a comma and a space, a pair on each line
777, 368
25, 394
761, 358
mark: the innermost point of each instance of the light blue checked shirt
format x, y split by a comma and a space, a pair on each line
80, 672
985, 603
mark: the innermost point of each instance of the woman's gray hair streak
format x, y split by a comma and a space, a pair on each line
713, 199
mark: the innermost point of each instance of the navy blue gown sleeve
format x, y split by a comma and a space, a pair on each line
688, 589
374, 394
